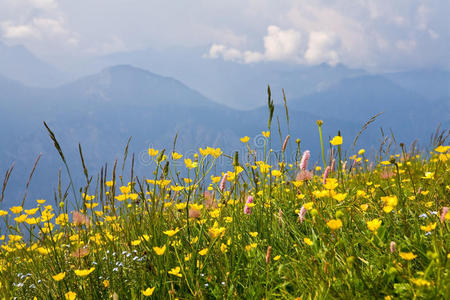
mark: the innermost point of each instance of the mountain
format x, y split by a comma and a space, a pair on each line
237, 85
17, 62
101, 111
410, 115
431, 84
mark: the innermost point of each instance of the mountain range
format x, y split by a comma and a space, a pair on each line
101, 111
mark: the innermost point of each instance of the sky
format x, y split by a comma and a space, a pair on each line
379, 35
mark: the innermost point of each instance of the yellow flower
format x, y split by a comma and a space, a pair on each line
148, 292
307, 241
84, 273
106, 283
364, 207
361, 152
3, 213
337, 140
429, 227
189, 164
171, 233
276, 173
334, 224
20, 219
153, 152
31, 211
40, 201
374, 225
420, 282
70, 295
203, 252
266, 133
407, 255
245, 139
276, 257
59, 277
253, 234
136, 242
223, 248
175, 271
442, 149
16, 209
176, 156
109, 183
340, 196
160, 250
251, 246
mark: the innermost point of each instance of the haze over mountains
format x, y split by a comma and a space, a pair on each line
201, 100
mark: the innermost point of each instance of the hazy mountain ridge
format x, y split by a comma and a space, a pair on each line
103, 110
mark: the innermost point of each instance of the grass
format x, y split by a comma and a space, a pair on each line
266, 229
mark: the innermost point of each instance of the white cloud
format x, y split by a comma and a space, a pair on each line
322, 48
279, 45
11, 31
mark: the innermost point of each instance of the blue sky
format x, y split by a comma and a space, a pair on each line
381, 35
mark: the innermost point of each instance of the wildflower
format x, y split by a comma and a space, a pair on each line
276, 173
277, 257
3, 213
429, 227
70, 295
340, 196
420, 282
268, 253
334, 224
374, 225
194, 213
160, 250
407, 255
106, 283
325, 175
305, 159
175, 271
176, 156
392, 247
153, 152
307, 241
337, 140
80, 219
301, 214
251, 246
189, 164
442, 149
203, 252
84, 273
361, 152
31, 211
16, 209
148, 292
247, 208
245, 139
171, 233
444, 215
223, 182
59, 277
266, 133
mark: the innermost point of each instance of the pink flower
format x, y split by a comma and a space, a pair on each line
248, 210
325, 174
305, 159
223, 182
444, 212
333, 165
392, 247
301, 214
